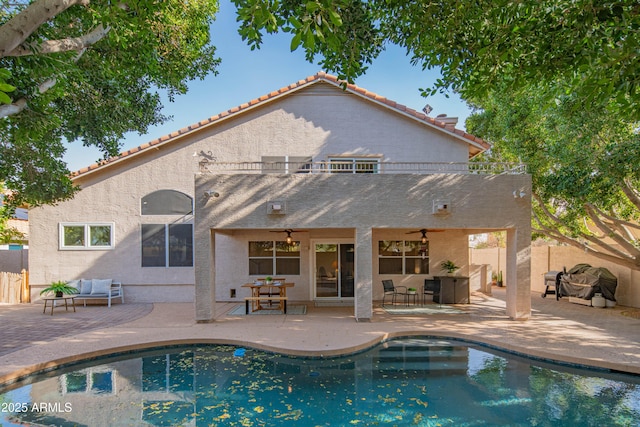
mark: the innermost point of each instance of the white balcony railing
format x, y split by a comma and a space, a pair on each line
368, 167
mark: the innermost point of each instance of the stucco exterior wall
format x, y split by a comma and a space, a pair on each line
317, 121
389, 205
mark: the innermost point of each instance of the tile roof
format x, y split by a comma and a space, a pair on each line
476, 144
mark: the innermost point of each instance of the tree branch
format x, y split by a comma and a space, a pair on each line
16, 30
14, 108
64, 45
612, 254
631, 193
608, 232
21, 104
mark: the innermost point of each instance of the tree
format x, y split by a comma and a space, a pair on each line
590, 46
555, 83
583, 167
89, 70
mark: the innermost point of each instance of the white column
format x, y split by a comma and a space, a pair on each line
364, 275
205, 303
518, 278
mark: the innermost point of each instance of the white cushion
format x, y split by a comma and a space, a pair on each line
74, 284
85, 286
100, 286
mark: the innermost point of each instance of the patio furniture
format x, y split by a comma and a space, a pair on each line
269, 290
259, 294
98, 289
394, 291
53, 301
453, 290
432, 287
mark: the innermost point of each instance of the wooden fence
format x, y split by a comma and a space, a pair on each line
14, 287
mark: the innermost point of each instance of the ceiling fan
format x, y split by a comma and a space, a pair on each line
289, 239
424, 231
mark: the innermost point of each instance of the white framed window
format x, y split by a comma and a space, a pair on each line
86, 236
354, 165
269, 257
403, 257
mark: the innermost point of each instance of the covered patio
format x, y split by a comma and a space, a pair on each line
341, 211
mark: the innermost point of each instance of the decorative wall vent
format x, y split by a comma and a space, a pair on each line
441, 207
276, 208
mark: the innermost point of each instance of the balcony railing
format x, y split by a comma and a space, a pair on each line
365, 167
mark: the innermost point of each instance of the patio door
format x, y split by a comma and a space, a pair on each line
334, 270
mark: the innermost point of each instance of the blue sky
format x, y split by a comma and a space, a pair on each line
245, 74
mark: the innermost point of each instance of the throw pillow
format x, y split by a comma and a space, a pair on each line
100, 286
85, 286
74, 284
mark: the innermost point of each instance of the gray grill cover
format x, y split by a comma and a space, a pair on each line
583, 281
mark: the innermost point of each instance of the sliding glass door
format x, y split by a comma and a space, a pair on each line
334, 270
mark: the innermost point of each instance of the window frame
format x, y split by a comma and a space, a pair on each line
274, 257
167, 246
403, 256
87, 246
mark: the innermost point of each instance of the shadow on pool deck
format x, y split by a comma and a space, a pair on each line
559, 330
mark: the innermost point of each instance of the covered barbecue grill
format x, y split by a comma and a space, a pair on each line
581, 281
584, 281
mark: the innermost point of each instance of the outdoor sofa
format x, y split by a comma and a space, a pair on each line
97, 289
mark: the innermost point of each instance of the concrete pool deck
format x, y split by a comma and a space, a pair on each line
32, 341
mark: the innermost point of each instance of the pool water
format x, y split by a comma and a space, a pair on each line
402, 382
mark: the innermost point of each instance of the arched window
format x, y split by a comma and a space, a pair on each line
166, 202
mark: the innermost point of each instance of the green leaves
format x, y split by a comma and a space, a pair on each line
582, 162
101, 94
5, 87
590, 46
343, 32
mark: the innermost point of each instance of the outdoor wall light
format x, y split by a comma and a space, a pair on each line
519, 194
211, 193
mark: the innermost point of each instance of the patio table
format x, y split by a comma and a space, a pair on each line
255, 292
64, 298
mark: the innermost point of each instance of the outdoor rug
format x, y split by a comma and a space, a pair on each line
432, 309
291, 309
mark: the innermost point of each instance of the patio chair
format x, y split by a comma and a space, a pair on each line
394, 291
432, 287
270, 291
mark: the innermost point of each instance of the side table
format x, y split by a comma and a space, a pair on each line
52, 301
411, 295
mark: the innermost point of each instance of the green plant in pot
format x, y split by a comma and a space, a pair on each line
59, 289
449, 266
268, 280
412, 290
500, 283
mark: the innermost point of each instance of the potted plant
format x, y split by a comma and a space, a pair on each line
412, 290
494, 279
500, 283
449, 266
59, 288
268, 280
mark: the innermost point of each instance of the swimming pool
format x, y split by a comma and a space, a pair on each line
402, 382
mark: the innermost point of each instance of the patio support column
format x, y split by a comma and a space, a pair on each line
518, 278
363, 275
205, 275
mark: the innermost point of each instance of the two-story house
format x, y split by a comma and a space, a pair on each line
333, 188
